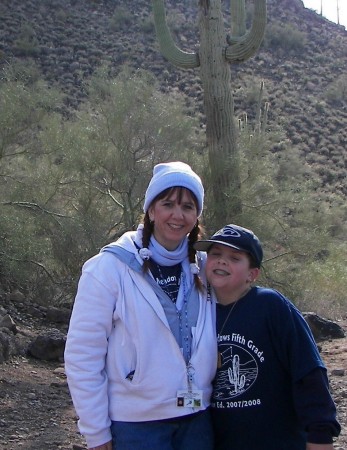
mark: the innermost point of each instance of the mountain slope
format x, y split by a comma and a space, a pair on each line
302, 61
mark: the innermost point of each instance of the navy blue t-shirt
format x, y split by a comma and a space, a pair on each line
168, 278
264, 348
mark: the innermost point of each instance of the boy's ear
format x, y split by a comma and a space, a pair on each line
253, 274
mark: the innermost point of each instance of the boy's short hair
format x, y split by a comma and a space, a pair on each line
236, 237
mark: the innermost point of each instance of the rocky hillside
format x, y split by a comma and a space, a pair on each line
302, 61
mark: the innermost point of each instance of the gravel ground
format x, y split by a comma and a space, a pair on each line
36, 410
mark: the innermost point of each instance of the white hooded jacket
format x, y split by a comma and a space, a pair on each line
118, 328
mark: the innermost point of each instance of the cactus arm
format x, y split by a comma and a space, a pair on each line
238, 19
258, 111
168, 48
244, 47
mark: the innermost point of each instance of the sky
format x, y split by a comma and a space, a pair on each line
330, 9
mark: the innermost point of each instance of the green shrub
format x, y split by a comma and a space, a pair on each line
121, 19
322, 283
284, 36
147, 25
336, 92
27, 42
23, 72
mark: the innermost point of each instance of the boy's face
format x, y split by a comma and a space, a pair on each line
228, 271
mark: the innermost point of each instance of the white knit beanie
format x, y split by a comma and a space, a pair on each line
171, 174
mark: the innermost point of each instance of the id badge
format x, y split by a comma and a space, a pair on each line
189, 399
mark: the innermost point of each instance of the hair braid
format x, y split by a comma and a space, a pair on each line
194, 236
146, 236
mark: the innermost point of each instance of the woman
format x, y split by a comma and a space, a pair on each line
141, 348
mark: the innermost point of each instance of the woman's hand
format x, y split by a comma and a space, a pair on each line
106, 446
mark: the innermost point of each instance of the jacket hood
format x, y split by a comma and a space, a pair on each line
126, 247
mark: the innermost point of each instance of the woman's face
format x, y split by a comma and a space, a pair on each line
174, 217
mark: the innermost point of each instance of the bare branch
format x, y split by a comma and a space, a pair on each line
34, 207
35, 263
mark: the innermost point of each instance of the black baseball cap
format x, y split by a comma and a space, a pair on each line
236, 237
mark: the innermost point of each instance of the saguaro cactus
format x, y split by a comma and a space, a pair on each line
217, 50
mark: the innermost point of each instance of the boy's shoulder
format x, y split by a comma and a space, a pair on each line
272, 296
270, 293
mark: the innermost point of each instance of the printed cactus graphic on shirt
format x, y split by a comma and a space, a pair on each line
234, 375
238, 371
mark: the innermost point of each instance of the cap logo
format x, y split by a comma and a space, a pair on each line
228, 231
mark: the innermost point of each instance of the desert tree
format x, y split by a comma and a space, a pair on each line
70, 186
25, 103
102, 160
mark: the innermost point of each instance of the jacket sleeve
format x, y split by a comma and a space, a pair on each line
315, 407
85, 353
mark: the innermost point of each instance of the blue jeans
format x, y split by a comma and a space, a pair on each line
189, 433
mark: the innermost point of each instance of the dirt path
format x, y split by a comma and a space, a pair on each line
36, 411
334, 354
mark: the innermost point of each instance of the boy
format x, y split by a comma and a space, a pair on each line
271, 389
